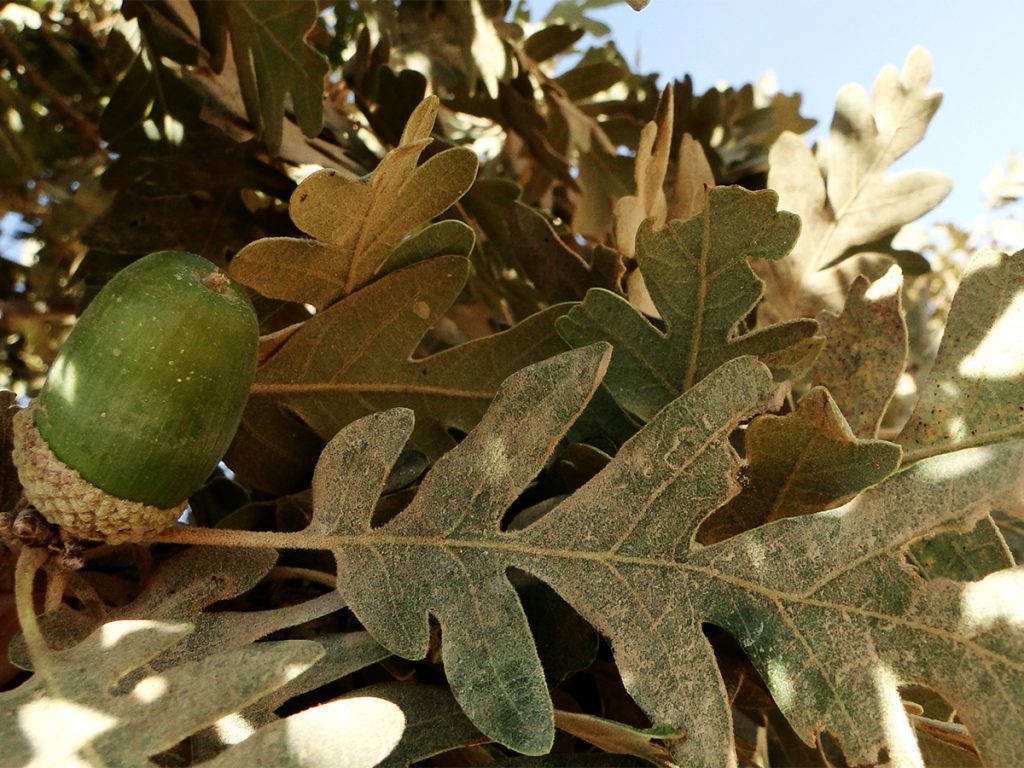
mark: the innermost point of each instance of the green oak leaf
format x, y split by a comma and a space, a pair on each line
356, 224
699, 278
823, 604
804, 462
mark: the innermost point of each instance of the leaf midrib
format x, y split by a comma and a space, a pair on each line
533, 553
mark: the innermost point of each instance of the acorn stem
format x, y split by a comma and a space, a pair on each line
30, 560
217, 281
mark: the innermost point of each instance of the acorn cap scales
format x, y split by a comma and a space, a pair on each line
142, 400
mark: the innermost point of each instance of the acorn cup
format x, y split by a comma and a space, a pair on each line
142, 401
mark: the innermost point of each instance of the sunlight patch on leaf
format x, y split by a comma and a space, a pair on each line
974, 393
902, 745
995, 600
996, 357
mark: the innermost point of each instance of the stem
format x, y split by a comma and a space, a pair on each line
226, 537
56, 583
85, 127
29, 562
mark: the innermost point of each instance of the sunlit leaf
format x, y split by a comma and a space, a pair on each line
356, 223
975, 391
69, 715
843, 193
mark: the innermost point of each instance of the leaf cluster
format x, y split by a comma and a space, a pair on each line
594, 424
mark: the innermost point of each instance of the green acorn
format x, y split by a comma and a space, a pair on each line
142, 401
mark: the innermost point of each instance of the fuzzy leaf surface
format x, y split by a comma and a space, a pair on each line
698, 275
823, 604
842, 193
356, 223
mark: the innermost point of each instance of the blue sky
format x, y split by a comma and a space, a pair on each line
817, 47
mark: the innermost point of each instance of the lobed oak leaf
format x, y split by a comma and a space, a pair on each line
798, 464
842, 193
272, 58
823, 604
356, 223
356, 358
700, 280
866, 351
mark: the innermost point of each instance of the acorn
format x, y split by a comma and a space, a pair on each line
142, 401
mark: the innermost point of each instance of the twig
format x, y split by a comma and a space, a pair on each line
226, 537
84, 126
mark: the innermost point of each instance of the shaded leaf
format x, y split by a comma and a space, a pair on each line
604, 177
866, 352
445, 238
804, 462
551, 40
589, 78
620, 739
843, 195
272, 58
356, 358
356, 223
558, 272
699, 277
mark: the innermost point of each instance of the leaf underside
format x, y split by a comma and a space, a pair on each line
823, 604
